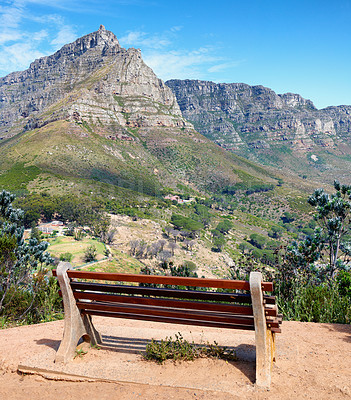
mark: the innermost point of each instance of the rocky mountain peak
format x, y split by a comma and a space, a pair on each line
101, 40
93, 75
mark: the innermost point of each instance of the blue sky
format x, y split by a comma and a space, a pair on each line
290, 46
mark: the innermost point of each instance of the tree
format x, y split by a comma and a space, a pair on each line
333, 214
276, 232
164, 256
110, 236
172, 246
288, 217
18, 259
224, 226
34, 232
218, 243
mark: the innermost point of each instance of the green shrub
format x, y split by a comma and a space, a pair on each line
344, 283
182, 350
314, 303
41, 303
181, 222
90, 253
66, 257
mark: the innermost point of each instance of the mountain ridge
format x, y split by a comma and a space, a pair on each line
263, 126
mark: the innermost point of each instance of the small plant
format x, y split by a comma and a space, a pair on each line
80, 353
183, 350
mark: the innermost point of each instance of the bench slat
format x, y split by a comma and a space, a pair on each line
198, 305
169, 320
179, 314
167, 312
175, 293
167, 280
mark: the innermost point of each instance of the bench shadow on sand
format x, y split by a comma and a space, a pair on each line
246, 353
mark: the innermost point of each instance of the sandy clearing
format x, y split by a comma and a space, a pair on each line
313, 362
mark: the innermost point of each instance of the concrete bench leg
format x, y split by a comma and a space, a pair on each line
95, 337
264, 337
75, 326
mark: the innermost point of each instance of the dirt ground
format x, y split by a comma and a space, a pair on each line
313, 362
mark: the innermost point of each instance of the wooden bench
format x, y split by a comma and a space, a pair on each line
230, 309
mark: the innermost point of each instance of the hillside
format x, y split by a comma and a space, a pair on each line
285, 131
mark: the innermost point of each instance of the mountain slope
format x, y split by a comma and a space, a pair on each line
94, 111
285, 131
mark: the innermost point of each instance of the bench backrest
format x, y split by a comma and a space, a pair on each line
227, 309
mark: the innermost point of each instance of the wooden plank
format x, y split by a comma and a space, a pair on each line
167, 280
169, 320
272, 323
175, 293
276, 330
271, 311
269, 299
183, 315
162, 302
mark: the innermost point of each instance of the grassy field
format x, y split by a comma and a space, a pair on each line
121, 262
65, 244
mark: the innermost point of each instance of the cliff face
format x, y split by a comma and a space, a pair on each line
94, 77
238, 116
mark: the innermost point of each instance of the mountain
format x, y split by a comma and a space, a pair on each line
281, 130
94, 113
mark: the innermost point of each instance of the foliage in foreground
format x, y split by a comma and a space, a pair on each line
313, 279
179, 349
26, 293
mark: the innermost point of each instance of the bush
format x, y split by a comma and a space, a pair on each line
314, 303
344, 283
40, 304
66, 257
90, 253
258, 240
186, 223
224, 226
190, 265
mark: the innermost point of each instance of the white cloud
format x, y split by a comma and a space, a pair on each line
11, 15
18, 56
8, 36
180, 64
223, 66
20, 46
144, 40
65, 35
198, 63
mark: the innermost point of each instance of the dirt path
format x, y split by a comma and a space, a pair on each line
313, 362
